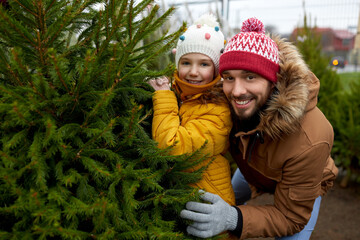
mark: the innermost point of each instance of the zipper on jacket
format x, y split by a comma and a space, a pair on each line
259, 136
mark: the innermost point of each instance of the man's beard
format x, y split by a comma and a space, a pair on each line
249, 123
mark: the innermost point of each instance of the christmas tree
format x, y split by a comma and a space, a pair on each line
310, 48
77, 161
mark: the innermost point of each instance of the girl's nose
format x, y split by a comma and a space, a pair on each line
194, 70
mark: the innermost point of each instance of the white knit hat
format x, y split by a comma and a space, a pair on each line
203, 37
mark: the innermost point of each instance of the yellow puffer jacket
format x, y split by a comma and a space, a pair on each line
190, 126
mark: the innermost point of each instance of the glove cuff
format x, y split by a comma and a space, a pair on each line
239, 223
232, 219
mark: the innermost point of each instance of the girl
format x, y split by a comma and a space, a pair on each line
204, 114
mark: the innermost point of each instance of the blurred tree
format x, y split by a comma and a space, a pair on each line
77, 161
339, 106
347, 141
4, 3
271, 29
308, 42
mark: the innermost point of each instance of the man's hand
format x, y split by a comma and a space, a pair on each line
161, 83
210, 219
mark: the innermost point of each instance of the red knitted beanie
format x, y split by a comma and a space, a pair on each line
251, 50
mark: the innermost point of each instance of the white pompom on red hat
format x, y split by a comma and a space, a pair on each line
252, 50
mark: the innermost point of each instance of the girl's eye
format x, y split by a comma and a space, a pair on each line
185, 63
204, 64
250, 77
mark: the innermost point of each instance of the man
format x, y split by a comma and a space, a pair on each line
280, 141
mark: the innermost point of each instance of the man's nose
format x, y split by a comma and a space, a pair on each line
238, 88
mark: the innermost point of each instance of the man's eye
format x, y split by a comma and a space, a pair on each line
250, 77
228, 78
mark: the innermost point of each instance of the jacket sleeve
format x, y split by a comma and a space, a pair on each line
198, 123
294, 197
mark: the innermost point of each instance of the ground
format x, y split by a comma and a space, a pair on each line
339, 217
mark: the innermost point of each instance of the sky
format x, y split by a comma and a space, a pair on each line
283, 15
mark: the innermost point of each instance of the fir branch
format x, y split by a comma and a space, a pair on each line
35, 102
166, 46
41, 49
136, 68
50, 6
107, 17
129, 189
167, 71
116, 24
50, 132
97, 37
120, 15
96, 168
145, 24
169, 39
130, 18
141, 6
148, 114
40, 16
59, 195
111, 65
11, 161
128, 46
93, 139
19, 97
67, 18
83, 42
39, 164
15, 76
25, 8
155, 43
105, 99
14, 25
129, 128
59, 74
16, 139
20, 115
77, 88
23, 68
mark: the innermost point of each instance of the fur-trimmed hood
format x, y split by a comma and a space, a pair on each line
297, 93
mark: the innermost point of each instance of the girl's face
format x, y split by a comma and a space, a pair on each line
196, 68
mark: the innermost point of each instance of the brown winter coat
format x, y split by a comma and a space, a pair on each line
288, 154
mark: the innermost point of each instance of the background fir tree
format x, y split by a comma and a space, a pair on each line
341, 107
330, 86
77, 161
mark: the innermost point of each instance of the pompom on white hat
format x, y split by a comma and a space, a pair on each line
205, 37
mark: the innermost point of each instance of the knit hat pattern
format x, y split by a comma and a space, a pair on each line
204, 37
252, 50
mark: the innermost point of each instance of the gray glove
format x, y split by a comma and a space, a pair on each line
210, 219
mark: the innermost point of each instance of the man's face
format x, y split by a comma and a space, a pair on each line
246, 91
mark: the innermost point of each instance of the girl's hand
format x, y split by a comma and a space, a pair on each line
161, 83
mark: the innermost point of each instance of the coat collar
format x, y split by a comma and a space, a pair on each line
186, 89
